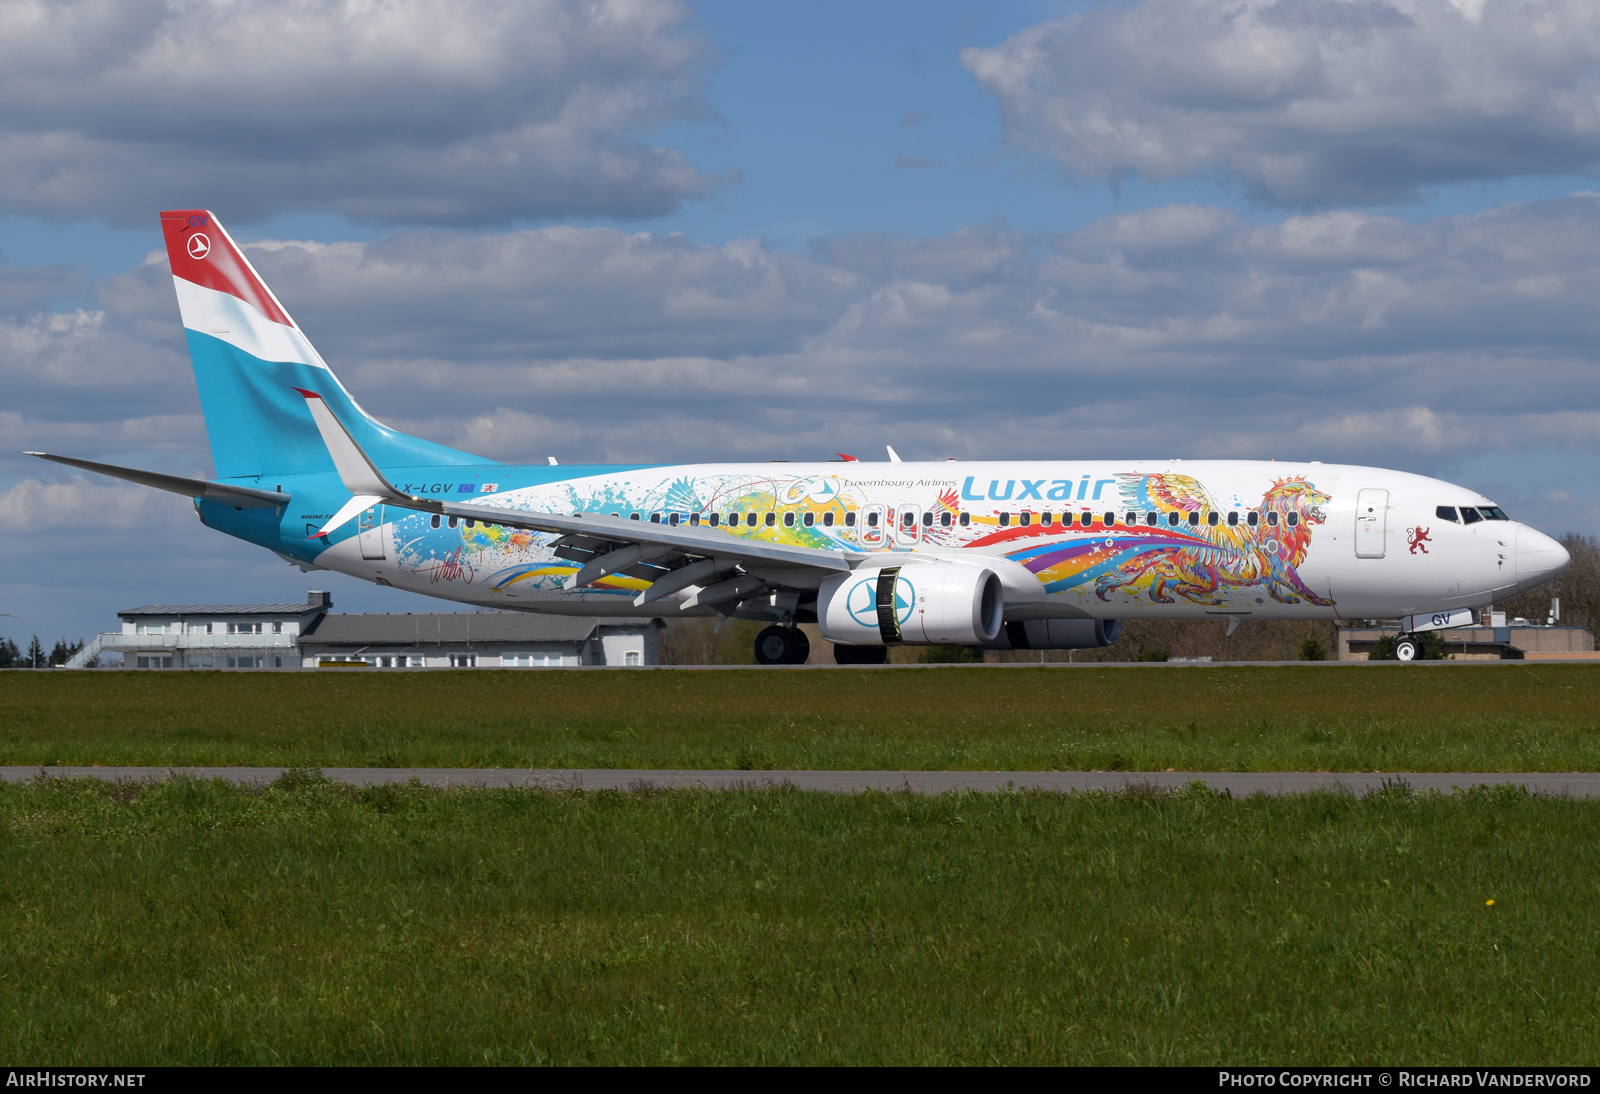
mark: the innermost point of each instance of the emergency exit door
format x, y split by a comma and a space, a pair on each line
1372, 519
372, 533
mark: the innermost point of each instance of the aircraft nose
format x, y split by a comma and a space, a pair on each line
1539, 558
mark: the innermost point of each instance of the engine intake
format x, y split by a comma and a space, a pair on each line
921, 603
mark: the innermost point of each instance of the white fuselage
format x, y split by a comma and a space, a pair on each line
1102, 539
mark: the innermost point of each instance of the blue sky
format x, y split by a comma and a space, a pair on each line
1323, 229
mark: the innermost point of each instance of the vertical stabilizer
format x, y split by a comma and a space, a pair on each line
249, 358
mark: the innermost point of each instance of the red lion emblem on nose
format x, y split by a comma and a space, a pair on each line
1418, 539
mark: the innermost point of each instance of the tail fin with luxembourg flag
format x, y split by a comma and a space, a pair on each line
251, 360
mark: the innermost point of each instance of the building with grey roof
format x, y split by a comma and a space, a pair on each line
310, 635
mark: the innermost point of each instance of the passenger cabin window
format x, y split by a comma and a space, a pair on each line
1172, 520
850, 519
633, 516
1272, 520
655, 518
1469, 515
1212, 519
772, 519
907, 520
1447, 512
788, 520
945, 519
453, 521
1493, 512
715, 519
966, 520
1233, 520
1194, 520
872, 520
1025, 519
673, 520
1253, 518
827, 519
471, 523
694, 520
1150, 519
1294, 518
927, 519
810, 519
1046, 519
1086, 520
434, 520
750, 519
1111, 519
1005, 520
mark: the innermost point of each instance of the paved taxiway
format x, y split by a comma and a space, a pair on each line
1576, 785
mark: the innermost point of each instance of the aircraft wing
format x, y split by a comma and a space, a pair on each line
671, 557
243, 497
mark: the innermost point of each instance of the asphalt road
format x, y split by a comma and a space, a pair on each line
1577, 785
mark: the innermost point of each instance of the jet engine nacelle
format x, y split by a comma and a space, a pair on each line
1058, 634
922, 603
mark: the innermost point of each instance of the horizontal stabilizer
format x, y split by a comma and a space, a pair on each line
242, 497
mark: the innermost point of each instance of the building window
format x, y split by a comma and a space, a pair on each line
463, 660
277, 662
416, 662
633, 658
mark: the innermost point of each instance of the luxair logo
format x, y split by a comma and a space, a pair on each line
862, 603
819, 490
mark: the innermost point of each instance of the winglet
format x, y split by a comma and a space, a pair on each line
358, 473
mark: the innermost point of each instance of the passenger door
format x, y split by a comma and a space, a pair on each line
371, 534
872, 526
1372, 519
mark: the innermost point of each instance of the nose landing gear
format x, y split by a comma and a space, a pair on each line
782, 646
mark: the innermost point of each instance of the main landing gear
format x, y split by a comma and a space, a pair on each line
1407, 647
783, 646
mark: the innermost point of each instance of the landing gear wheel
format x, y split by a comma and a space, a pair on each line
1407, 648
782, 646
860, 655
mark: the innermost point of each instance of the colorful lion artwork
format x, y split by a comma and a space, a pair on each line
1176, 558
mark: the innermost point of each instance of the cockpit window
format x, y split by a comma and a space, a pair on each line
1469, 515
1447, 512
1493, 512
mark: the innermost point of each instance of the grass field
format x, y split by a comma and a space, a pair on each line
201, 923
1333, 718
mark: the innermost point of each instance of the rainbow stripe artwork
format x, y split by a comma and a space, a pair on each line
1182, 546
1167, 540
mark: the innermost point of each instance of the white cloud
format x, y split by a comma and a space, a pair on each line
1306, 102
418, 111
